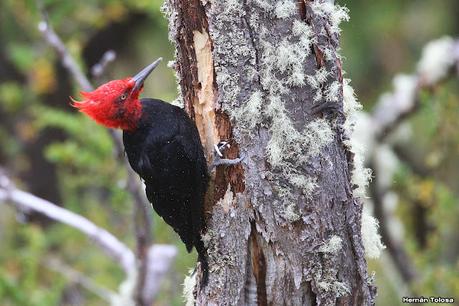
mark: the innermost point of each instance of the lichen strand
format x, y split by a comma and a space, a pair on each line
436, 60
285, 9
189, 284
360, 175
332, 246
370, 243
335, 14
370, 237
281, 68
325, 278
288, 152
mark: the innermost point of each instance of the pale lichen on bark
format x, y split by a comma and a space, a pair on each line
287, 222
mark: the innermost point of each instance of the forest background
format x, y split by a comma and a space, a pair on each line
52, 151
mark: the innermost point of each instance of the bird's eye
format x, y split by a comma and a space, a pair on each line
123, 97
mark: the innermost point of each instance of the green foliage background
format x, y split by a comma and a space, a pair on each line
57, 153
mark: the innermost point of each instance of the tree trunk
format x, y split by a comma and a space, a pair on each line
283, 227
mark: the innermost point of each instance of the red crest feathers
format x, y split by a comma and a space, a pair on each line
113, 104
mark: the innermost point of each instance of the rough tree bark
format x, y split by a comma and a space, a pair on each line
283, 228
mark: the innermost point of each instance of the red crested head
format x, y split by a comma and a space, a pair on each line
116, 104
112, 104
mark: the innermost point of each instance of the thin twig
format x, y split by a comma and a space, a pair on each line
162, 256
67, 60
404, 101
101, 237
98, 69
77, 277
416, 166
400, 117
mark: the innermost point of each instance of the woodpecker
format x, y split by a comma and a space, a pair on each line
163, 146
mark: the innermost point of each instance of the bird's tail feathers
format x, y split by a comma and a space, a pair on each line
202, 258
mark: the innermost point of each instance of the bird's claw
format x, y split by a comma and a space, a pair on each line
219, 161
221, 146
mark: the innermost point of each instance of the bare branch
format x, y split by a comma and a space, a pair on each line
105, 240
75, 276
441, 60
67, 60
98, 69
156, 260
160, 258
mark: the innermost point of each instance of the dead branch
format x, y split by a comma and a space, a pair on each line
101, 237
439, 62
67, 60
77, 277
98, 69
160, 257
395, 107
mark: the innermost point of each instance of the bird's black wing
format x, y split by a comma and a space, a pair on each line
167, 153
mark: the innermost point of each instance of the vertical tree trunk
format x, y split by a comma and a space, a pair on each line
283, 227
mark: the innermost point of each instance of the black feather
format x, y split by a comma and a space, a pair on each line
166, 151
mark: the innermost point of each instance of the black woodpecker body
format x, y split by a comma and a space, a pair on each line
166, 151
163, 146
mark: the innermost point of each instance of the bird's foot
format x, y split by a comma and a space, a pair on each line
227, 162
218, 154
220, 147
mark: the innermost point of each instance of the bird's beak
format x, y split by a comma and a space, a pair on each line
140, 77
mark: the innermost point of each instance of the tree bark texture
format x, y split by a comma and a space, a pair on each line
283, 228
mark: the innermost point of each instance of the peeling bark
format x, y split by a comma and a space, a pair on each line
258, 267
284, 227
203, 105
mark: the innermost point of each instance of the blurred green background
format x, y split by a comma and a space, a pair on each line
60, 155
